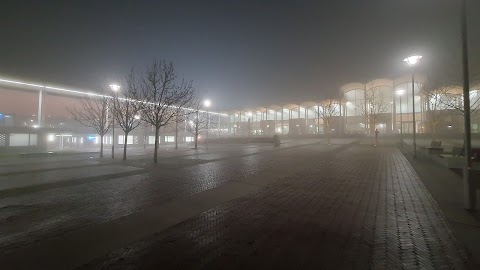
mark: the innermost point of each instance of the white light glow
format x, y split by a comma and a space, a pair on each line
114, 87
207, 103
400, 92
412, 60
137, 117
51, 137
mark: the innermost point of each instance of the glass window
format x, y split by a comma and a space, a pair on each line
129, 139
17, 139
33, 139
169, 138
151, 139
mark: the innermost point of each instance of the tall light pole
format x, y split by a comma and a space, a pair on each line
412, 61
207, 103
469, 190
115, 88
249, 114
399, 94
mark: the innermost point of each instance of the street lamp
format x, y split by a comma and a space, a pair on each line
249, 114
115, 88
412, 61
207, 103
400, 94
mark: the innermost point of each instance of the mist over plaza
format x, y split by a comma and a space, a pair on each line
240, 134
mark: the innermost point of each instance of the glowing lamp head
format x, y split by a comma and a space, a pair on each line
114, 87
400, 92
207, 103
137, 117
412, 60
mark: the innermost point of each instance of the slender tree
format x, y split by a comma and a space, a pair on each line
128, 105
373, 108
197, 120
453, 99
437, 103
164, 96
326, 111
93, 112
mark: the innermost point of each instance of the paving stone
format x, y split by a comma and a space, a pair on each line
359, 208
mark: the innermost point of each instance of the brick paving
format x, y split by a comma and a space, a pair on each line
361, 208
38, 213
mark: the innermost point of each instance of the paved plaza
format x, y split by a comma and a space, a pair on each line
303, 205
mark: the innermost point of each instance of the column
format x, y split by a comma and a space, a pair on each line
41, 105
282, 121
306, 121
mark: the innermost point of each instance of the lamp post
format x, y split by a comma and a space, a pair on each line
115, 88
207, 103
399, 94
412, 61
249, 114
469, 190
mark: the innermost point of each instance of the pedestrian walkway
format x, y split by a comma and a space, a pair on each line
360, 208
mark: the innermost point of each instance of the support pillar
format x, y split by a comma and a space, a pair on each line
41, 108
282, 121
306, 121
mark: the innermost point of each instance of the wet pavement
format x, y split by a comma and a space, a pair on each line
52, 199
309, 206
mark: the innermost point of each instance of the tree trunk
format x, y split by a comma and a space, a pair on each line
176, 134
101, 146
157, 131
196, 137
328, 132
125, 146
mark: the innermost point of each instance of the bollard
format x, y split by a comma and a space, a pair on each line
276, 140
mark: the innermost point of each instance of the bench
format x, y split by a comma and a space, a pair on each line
435, 148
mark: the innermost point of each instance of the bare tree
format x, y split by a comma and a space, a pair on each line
163, 96
93, 112
435, 106
448, 85
197, 120
326, 111
453, 99
180, 117
127, 107
373, 108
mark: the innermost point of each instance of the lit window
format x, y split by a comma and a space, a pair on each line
129, 139
151, 139
169, 138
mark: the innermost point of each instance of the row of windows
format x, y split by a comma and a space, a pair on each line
131, 139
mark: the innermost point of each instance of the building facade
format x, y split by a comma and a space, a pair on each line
37, 115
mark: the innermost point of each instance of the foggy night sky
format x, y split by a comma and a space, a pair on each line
242, 53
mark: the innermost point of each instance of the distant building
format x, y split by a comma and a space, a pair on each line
35, 115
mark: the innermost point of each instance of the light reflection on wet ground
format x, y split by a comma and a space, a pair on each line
29, 217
